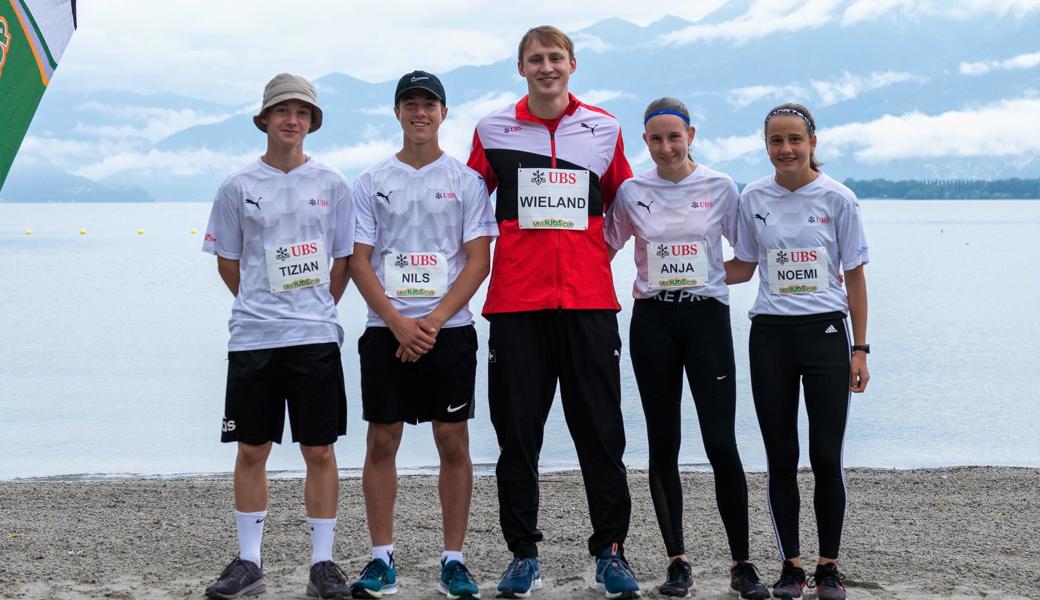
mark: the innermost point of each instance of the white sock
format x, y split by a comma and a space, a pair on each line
452, 555
323, 531
384, 553
250, 534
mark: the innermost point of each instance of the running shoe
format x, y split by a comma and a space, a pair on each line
791, 582
377, 579
613, 576
744, 582
828, 582
239, 578
457, 583
679, 581
328, 582
521, 576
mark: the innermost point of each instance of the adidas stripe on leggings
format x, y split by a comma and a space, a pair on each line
667, 338
812, 351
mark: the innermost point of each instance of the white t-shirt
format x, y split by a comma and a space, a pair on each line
678, 229
417, 222
802, 241
264, 218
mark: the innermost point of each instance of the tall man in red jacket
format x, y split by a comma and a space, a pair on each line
556, 164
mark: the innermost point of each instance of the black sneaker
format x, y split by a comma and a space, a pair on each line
827, 581
239, 578
744, 582
679, 580
791, 582
328, 582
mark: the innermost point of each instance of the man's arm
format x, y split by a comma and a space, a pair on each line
339, 277
230, 272
738, 271
408, 332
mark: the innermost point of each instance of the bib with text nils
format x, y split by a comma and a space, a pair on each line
553, 199
415, 274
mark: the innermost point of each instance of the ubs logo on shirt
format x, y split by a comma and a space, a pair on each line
822, 219
702, 204
318, 202
798, 256
511, 129
296, 250
445, 195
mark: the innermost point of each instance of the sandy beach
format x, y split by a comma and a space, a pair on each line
920, 534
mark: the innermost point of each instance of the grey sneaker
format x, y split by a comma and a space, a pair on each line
328, 582
239, 578
828, 582
791, 582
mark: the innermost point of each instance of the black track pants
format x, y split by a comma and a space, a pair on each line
812, 351
667, 338
528, 353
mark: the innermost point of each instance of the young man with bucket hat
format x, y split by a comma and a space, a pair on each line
282, 229
421, 250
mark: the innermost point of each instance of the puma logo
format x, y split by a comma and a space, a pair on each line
591, 128
385, 196
758, 216
646, 206
255, 203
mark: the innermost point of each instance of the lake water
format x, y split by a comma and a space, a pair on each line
113, 347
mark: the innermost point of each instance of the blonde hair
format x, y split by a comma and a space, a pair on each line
546, 35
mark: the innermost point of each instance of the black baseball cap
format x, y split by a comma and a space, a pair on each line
420, 80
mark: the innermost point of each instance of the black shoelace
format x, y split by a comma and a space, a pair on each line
747, 571
826, 578
329, 570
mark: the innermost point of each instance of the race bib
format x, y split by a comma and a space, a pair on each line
415, 274
797, 270
676, 265
294, 266
553, 199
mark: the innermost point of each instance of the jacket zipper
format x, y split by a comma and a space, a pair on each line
556, 232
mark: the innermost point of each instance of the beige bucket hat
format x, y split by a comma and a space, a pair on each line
286, 86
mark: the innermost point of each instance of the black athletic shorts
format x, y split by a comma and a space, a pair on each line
437, 387
260, 383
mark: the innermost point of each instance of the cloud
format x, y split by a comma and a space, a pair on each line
144, 123
1022, 61
719, 150
745, 96
587, 41
1006, 128
870, 10
848, 86
765, 17
597, 97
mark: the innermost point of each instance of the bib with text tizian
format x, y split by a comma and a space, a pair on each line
676, 265
797, 270
294, 266
553, 199
415, 274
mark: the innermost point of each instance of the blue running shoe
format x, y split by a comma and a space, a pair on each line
613, 576
377, 579
521, 576
457, 583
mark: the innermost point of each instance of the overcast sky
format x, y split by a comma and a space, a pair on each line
226, 50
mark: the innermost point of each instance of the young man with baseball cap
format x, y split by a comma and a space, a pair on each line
557, 163
421, 250
282, 229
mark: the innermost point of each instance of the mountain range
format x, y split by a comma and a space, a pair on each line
896, 95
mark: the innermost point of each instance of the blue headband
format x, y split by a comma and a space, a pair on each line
667, 111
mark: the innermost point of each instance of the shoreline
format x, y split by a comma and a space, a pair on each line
959, 532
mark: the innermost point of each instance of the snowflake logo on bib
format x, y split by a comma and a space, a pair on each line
282, 254
401, 261
781, 258
662, 251
538, 178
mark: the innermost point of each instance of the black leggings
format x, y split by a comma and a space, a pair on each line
665, 338
813, 351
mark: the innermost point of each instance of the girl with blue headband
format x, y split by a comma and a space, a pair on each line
802, 231
678, 212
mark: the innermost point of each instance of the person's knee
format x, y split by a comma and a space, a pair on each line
253, 456
383, 441
722, 453
452, 442
319, 456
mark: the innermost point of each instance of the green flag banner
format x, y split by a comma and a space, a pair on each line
33, 35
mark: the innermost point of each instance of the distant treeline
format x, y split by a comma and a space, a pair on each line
946, 189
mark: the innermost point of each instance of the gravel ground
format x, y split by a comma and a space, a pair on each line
920, 534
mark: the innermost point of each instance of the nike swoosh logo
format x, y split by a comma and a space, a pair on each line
721, 378
414, 79
452, 409
258, 521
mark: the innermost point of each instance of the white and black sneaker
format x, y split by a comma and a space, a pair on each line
240, 578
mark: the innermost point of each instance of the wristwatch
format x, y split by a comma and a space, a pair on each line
864, 348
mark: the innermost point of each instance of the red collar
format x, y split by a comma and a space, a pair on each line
524, 114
